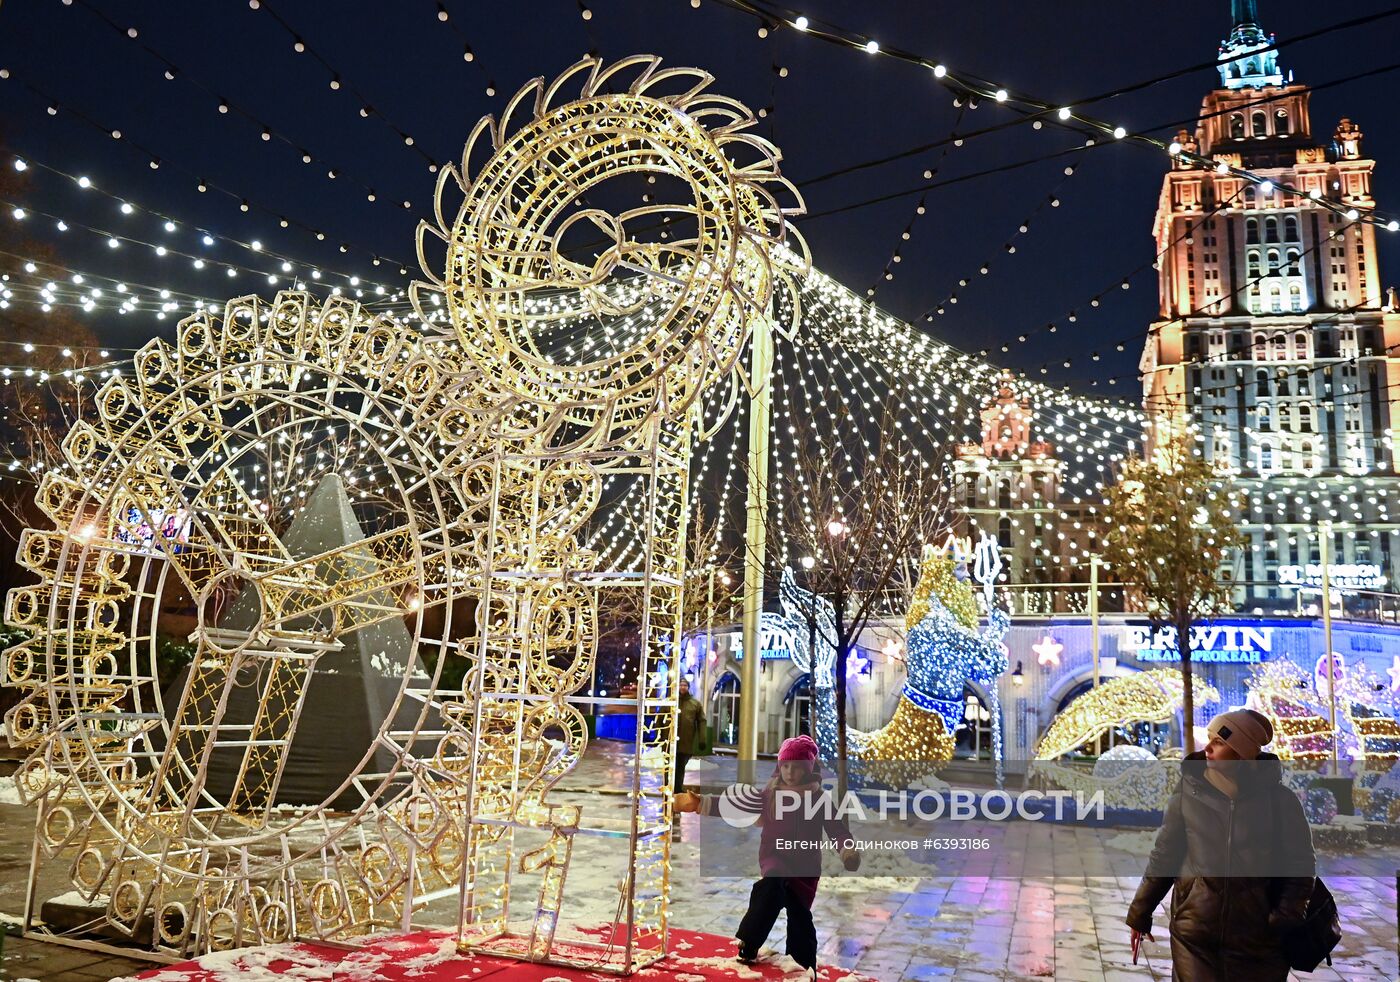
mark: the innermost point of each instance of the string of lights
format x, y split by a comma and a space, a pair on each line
468, 53
117, 239
1123, 283
245, 204
1051, 111
1048, 110
163, 297
338, 82
229, 107
172, 226
930, 172
1050, 200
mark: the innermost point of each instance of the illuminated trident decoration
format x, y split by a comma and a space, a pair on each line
986, 567
570, 337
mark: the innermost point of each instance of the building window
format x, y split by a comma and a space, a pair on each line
1293, 257
1309, 458
1264, 423
1290, 228
1300, 345
1262, 377
1004, 493
1251, 231
973, 738
1276, 300
1004, 533
1281, 123
1275, 265
726, 709
1260, 122
1303, 384
1271, 229
1253, 261
798, 717
1305, 419
1237, 127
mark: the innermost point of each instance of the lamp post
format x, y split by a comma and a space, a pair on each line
808, 563
1324, 536
710, 634
1094, 613
755, 541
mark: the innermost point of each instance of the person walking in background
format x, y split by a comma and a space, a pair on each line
1236, 852
690, 729
789, 851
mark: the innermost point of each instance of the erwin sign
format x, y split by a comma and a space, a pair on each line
1223, 643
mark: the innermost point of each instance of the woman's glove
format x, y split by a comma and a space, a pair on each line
850, 858
686, 801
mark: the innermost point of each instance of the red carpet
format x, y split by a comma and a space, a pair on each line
430, 956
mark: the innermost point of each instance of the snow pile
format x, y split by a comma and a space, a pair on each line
1137, 843
9, 794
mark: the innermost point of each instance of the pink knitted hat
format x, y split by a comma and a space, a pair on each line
801, 747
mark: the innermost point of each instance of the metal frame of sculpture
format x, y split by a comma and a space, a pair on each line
497, 429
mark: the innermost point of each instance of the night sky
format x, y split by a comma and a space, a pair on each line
836, 107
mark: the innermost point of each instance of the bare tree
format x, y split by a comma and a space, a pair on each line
853, 515
708, 554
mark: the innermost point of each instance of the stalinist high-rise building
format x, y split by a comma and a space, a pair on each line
1275, 336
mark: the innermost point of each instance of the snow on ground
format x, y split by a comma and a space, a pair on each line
9, 794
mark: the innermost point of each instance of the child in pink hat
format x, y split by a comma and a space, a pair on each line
790, 873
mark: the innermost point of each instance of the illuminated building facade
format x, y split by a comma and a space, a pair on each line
1012, 486
1274, 337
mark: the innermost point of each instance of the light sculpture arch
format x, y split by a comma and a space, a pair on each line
548, 370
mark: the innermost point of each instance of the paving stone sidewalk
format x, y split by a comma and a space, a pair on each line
963, 929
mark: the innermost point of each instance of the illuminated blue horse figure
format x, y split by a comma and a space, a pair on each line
945, 651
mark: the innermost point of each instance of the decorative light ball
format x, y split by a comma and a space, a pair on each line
1121, 760
1379, 804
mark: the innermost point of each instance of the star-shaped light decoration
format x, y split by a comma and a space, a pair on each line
856, 664
1047, 652
1394, 672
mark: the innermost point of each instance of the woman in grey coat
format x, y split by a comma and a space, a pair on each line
1236, 852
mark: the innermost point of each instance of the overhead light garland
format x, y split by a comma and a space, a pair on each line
202, 184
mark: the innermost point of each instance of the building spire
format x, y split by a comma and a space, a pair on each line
1244, 13
1247, 57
